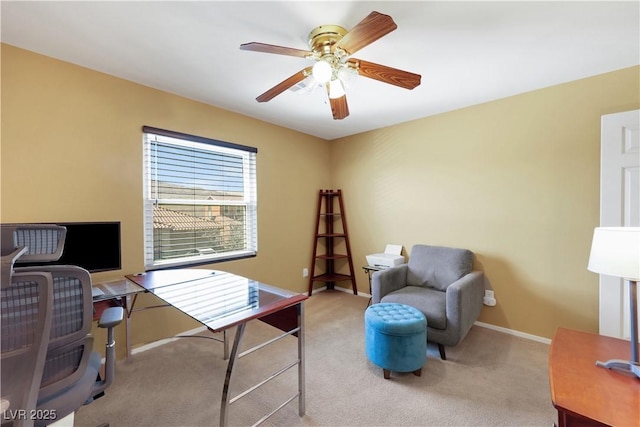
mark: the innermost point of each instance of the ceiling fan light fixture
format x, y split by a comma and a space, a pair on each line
331, 46
322, 71
347, 75
336, 89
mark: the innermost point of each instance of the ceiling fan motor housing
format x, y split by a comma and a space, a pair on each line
322, 38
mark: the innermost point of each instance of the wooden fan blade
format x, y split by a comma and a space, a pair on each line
284, 85
339, 107
370, 29
386, 74
280, 50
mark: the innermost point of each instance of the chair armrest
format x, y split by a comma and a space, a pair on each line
386, 281
7, 263
111, 317
464, 302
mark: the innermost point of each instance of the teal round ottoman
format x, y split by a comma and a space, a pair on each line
396, 337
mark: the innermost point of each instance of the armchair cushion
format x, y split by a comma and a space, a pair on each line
437, 267
431, 303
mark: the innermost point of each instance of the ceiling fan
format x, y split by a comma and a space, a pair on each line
331, 46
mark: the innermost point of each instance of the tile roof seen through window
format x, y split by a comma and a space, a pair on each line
173, 220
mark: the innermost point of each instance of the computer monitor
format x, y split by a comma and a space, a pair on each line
94, 246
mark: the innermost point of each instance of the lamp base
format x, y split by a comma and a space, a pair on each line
621, 365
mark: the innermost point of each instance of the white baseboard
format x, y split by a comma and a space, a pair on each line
513, 332
346, 290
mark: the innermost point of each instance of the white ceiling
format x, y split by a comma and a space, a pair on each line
466, 52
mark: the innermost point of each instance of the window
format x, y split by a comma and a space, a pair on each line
199, 199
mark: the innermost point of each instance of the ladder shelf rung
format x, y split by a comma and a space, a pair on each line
333, 256
334, 277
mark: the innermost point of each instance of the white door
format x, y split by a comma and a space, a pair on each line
619, 206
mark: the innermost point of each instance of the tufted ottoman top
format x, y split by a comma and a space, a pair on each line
395, 319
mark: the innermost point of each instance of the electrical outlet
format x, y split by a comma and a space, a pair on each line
489, 298
305, 272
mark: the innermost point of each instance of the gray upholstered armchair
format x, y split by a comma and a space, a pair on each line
441, 283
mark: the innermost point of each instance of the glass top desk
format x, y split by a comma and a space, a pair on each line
221, 300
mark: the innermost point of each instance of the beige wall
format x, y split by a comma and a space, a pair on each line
72, 151
515, 180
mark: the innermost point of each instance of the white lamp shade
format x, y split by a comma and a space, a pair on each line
321, 71
615, 251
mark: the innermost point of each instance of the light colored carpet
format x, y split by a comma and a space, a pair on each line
490, 379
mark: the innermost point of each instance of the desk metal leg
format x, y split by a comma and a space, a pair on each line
224, 406
127, 327
225, 341
296, 330
128, 303
301, 378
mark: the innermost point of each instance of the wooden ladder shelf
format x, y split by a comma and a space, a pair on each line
331, 233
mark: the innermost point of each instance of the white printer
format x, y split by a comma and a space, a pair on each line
390, 258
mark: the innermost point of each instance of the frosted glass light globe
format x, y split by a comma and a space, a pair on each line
321, 71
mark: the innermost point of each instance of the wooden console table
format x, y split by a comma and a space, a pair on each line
585, 394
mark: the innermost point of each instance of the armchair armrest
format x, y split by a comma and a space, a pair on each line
386, 281
464, 303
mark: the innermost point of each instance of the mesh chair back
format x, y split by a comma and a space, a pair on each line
44, 242
24, 334
70, 343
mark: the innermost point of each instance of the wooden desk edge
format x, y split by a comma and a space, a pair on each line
589, 348
264, 311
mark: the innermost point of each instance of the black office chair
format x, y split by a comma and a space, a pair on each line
71, 375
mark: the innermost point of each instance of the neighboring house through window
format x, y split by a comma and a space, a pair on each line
199, 199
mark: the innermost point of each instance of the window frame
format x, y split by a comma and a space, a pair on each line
151, 136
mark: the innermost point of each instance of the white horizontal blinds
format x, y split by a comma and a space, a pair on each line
200, 199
